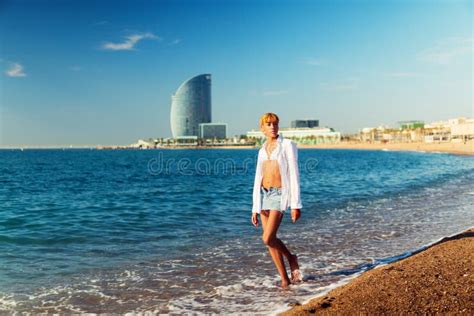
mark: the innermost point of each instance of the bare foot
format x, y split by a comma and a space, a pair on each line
294, 263
285, 284
295, 269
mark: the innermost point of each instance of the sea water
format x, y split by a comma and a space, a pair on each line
169, 231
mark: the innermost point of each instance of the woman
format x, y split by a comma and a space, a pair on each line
276, 188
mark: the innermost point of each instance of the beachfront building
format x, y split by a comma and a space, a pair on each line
437, 132
383, 134
374, 134
191, 106
463, 131
143, 144
186, 141
213, 130
367, 134
304, 123
411, 124
456, 130
301, 135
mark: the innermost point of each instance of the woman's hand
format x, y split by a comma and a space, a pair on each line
255, 219
295, 214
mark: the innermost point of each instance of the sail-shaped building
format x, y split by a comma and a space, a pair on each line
191, 106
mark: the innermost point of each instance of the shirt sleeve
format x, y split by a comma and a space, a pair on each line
257, 204
295, 198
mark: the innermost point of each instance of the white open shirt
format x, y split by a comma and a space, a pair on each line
286, 154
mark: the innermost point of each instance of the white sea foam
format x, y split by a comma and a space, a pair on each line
7, 302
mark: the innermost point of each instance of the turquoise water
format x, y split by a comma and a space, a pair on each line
170, 231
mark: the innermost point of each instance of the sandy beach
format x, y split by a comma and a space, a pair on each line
437, 280
453, 148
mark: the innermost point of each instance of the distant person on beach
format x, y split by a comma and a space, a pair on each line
277, 187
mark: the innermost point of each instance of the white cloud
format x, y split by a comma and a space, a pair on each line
445, 51
16, 70
130, 42
314, 62
269, 93
176, 41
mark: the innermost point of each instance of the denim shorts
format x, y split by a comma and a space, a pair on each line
271, 199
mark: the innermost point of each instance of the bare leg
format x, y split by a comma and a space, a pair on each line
271, 222
292, 259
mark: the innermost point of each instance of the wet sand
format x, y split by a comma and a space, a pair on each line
438, 280
453, 148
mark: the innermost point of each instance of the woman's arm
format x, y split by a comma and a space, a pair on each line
256, 186
295, 198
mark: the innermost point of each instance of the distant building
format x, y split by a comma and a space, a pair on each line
385, 134
186, 141
191, 106
411, 124
143, 144
213, 130
304, 123
453, 130
305, 132
437, 132
457, 130
302, 135
463, 130
374, 134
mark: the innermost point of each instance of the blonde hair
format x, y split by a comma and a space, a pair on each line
269, 117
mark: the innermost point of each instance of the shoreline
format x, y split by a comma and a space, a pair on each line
466, 149
436, 278
450, 148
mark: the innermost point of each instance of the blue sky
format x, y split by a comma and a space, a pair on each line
103, 72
